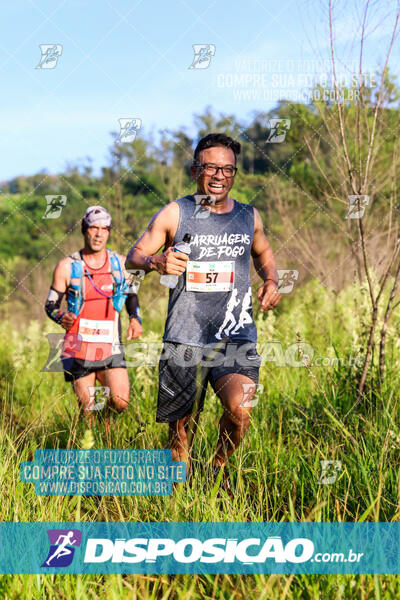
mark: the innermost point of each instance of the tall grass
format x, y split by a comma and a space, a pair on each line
306, 415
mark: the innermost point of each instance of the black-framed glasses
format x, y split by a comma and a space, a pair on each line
210, 169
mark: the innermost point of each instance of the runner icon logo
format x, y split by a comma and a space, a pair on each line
250, 400
62, 547
54, 207
286, 280
135, 278
99, 395
50, 55
329, 471
128, 129
203, 200
357, 205
279, 129
202, 56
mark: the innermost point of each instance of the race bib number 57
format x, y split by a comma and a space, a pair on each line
218, 276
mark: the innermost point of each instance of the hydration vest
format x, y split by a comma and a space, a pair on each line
76, 290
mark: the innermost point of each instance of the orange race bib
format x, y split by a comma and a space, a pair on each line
216, 276
91, 330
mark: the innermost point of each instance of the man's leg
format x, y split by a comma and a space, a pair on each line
81, 389
118, 382
236, 416
182, 384
181, 438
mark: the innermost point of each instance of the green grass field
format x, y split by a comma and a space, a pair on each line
307, 414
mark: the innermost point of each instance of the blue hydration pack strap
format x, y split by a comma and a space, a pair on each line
76, 290
75, 295
121, 286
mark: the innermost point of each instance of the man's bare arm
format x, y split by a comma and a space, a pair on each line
159, 233
135, 328
61, 275
59, 285
264, 263
263, 257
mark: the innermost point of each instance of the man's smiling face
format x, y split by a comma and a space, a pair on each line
218, 185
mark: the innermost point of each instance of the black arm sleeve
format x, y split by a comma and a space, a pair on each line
132, 307
52, 306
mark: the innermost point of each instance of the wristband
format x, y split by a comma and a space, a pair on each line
132, 307
149, 264
52, 306
57, 316
136, 316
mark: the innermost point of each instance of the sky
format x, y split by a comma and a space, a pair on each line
124, 60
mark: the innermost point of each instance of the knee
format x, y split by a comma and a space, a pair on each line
86, 402
120, 401
238, 415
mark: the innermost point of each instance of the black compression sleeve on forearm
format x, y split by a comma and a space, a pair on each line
52, 306
132, 305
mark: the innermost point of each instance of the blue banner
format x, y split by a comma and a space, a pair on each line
64, 472
245, 548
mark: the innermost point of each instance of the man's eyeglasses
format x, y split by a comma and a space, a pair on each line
210, 169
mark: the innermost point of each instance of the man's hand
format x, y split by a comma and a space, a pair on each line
170, 262
68, 320
268, 295
135, 329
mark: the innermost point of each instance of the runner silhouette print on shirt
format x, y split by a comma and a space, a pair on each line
229, 320
244, 317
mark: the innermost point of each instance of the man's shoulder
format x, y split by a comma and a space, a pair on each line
169, 206
121, 259
64, 263
112, 254
188, 199
244, 204
62, 270
171, 209
245, 207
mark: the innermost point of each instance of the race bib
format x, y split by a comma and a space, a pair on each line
91, 330
217, 276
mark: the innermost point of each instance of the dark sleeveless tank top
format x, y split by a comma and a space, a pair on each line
212, 300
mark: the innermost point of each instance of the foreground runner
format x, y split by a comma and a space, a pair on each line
211, 305
96, 283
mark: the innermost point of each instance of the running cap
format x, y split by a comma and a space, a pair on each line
94, 214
